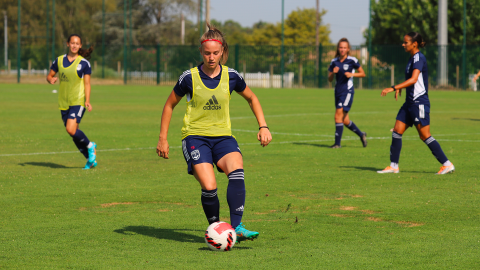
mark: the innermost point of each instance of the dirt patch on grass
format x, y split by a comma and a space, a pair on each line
369, 211
374, 219
116, 203
409, 224
348, 208
340, 215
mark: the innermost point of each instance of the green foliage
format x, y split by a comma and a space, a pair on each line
299, 29
315, 207
392, 19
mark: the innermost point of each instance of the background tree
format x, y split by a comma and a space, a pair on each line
299, 30
392, 19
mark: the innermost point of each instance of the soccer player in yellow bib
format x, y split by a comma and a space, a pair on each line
74, 72
206, 134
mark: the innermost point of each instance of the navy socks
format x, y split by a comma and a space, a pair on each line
81, 147
235, 199
354, 128
211, 205
81, 138
436, 149
236, 196
396, 147
338, 133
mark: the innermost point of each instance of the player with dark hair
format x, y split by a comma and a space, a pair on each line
416, 109
206, 134
343, 67
74, 95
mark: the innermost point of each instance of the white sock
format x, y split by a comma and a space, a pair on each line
447, 163
394, 165
90, 145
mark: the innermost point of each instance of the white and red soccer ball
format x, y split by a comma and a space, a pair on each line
220, 236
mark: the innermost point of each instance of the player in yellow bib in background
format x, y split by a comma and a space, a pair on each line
206, 134
74, 72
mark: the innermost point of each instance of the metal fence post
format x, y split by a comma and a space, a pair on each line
158, 64
18, 43
320, 66
237, 49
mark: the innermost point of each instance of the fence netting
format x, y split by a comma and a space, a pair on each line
261, 66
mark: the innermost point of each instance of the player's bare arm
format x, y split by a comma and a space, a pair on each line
264, 135
51, 79
162, 146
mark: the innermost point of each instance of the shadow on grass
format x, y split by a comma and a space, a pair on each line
374, 169
170, 234
313, 144
471, 119
234, 247
47, 164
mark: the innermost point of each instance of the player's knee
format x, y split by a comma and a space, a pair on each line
71, 131
398, 131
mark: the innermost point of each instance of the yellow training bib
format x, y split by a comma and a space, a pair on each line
208, 112
72, 88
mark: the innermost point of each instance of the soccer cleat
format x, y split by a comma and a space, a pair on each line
363, 139
90, 165
91, 153
335, 146
446, 169
389, 170
244, 234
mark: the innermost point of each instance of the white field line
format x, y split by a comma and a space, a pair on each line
347, 138
331, 114
343, 137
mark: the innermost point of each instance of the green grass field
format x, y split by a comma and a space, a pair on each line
315, 207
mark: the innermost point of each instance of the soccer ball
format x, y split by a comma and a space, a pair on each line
220, 236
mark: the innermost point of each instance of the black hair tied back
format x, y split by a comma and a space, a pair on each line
416, 37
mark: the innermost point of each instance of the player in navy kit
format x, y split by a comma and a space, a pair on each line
416, 109
206, 134
343, 68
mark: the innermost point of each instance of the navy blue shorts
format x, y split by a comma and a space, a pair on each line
73, 112
414, 114
344, 100
203, 149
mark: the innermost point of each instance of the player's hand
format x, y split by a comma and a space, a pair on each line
398, 93
88, 106
264, 136
386, 91
348, 74
336, 69
53, 80
163, 148
475, 79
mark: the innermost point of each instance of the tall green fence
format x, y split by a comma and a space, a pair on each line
259, 65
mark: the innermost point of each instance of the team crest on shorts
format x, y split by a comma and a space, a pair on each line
345, 66
195, 154
340, 104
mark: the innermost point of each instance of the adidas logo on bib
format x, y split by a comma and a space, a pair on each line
212, 104
63, 77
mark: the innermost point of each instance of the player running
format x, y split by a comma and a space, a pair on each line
74, 95
206, 134
416, 109
343, 67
